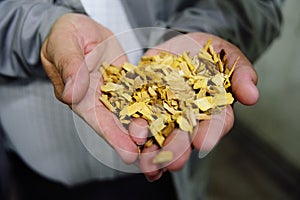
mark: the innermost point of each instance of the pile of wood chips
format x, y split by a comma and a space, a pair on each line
168, 91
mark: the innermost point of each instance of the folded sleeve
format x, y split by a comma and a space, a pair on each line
23, 27
250, 24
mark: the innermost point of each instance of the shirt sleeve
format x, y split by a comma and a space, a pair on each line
23, 27
251, 25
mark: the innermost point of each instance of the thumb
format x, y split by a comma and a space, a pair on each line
63, 61
76, 78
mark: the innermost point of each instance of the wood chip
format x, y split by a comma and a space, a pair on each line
163, 157
168, 91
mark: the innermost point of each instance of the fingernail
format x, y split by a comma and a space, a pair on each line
209, 143
68, 83
203, 154
139, 130
154, 178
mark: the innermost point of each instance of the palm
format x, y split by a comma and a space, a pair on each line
94, 112
71, 57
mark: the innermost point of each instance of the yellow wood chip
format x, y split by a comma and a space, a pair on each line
105, 101
200, 83
135, 107
184, 124
222, 99
160, 139
157, 125
149, 143
218, 79
167, 130
171, 109
163, 157
128, 67
204, 103
111, 87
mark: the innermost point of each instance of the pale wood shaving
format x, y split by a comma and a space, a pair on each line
163, 157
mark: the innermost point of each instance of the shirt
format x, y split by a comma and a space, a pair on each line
111, 14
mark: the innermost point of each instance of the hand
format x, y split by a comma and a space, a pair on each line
208, 132
71, 56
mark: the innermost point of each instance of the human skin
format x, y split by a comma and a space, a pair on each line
208, 132
66, 58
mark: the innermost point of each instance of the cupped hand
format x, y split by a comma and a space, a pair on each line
71, 56
208, 132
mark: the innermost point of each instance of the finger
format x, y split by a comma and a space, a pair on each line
154, 176
179, 143
53, 75
138, 130
209, 132
109, 51
105, 123
244, 82
176, 46
116, 135
76, 84
73, 70
151, 171
63, 61
244, 78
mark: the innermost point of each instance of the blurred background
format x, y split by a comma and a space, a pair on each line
260, 158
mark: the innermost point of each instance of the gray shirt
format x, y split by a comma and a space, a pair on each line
43, 131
